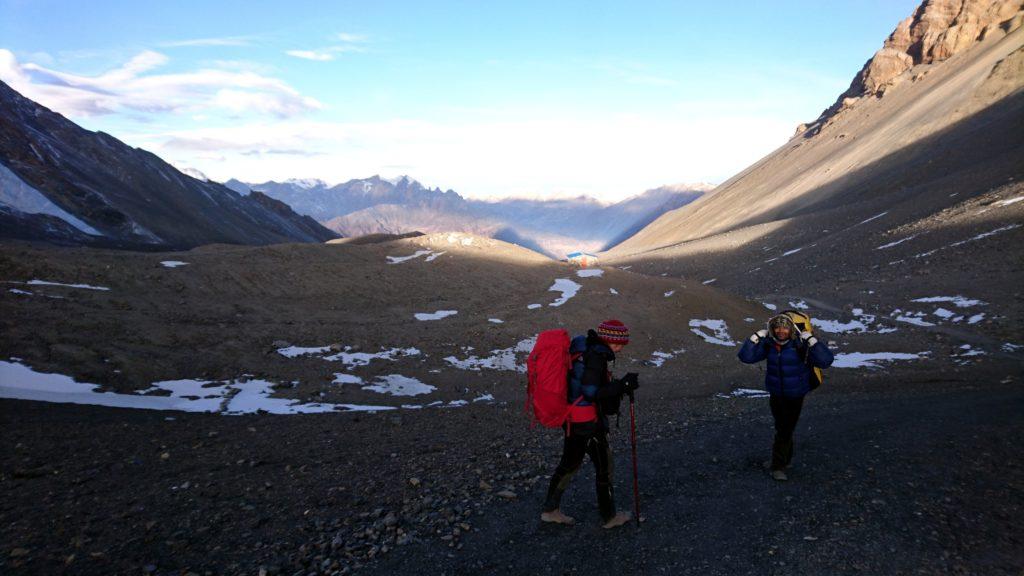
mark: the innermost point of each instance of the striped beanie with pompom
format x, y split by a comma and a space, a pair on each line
613, 332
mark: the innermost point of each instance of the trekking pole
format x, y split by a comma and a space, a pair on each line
636, 479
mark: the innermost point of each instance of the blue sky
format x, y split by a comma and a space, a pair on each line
516, 98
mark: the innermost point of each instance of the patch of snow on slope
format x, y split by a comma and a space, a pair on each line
81, 286
744, 393
567, 287
872, 359
590, 273
423, 316
958, 301
719, 328
400, 259
20, 196
241, 396
398, 385
896, 243
504, 359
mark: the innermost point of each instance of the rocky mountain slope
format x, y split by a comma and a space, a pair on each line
910, 186
59, 182
554, 227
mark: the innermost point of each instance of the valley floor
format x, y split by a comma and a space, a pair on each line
893, 475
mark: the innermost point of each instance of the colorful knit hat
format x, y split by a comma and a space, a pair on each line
613, 332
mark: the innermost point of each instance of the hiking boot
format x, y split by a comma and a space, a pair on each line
556, 517
779, 475
619, 519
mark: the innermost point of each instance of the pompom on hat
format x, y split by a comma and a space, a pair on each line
613, 332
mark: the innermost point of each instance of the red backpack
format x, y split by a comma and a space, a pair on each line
547, 372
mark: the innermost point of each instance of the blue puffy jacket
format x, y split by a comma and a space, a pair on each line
786, 373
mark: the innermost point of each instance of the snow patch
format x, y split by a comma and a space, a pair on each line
669, 293
958, 301
230, 397
19, 195
613, 291
567, 287
495, 320
173, 263
400, 259
719, 328
590, 273
1009, 201
711, 281
896, 243
82, 286
423, 316
343, 378
837, 327
799, 305
504, 359
293, 351
875, 217
352, 359
872, 359
398, 385
744, 393
534, 306
658, 357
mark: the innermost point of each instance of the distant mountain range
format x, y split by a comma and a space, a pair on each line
62, 183
555, 227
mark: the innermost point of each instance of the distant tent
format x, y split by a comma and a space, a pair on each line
582, 259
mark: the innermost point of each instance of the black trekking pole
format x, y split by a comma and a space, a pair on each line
632, 439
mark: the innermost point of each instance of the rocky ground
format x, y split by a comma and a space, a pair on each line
917, 456
893, 476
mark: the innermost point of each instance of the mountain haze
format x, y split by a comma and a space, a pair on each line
555, 227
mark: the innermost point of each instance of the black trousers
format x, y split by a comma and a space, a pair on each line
595, 445
786, 412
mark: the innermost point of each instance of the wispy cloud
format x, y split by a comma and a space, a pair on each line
134, 88
226, 41
319, 56
348, 43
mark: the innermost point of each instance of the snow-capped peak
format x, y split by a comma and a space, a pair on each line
398, 180
306, 183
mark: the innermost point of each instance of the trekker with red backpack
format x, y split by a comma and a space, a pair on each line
592, 394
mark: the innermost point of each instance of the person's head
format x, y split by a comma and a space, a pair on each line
781, 328
613, 333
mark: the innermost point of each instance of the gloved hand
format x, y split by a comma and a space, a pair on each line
757, 336
630, 382
808, 338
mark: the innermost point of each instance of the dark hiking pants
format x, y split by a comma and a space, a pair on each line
575, 448
786, 412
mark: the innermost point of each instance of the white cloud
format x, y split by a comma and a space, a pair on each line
132, 87
320, 56
607, 157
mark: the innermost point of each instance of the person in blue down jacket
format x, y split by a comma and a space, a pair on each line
791, 356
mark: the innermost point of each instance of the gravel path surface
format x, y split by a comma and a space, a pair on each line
899, 483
